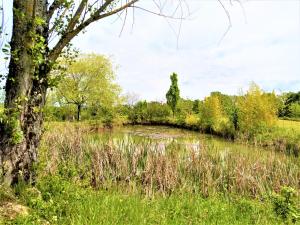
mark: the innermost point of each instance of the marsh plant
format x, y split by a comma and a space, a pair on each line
149, 166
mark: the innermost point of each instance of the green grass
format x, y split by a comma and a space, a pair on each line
289, 125
63, 202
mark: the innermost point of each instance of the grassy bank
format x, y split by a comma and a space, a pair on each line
57, 201
88, 178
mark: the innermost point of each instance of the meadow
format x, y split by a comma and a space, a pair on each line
293, 126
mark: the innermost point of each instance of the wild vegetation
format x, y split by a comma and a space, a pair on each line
82, 172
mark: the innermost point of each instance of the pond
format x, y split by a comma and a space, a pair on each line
159, 158
162, 136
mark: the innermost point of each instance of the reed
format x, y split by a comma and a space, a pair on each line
150, 167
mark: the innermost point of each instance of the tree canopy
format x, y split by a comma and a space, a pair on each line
90, 81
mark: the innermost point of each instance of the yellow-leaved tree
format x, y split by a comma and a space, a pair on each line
213, 117
256, 110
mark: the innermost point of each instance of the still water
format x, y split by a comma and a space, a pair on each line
162, 137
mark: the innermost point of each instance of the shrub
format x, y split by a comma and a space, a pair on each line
284, 205
192, 120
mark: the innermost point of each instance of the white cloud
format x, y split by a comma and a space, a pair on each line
266, 49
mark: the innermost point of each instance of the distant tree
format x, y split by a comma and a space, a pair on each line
256, 110
196, 106
229, 107
138, 113
295, 110
213, 116
157, 111
89, 82
1, 101
173, 95
2, 97
287, 100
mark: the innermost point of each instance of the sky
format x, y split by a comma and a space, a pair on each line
263, 46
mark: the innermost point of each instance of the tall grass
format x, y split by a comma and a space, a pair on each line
148, 167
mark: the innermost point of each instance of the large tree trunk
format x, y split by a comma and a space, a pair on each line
26, 87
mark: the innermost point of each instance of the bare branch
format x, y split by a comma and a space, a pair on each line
124, 22
157, 14
229, 21
70, 34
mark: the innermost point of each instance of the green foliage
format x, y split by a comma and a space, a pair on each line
157, 110
214, 117
10, 126
144, 112
173, 94
89, 83
184, 107
286, 101
138, 113
285, 205
256, 111
196, 106
294, 110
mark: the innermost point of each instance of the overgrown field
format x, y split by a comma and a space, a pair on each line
89, 178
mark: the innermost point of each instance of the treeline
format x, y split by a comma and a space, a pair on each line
248, 118
221, 114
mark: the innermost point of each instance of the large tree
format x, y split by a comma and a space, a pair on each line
89, 82
35, 23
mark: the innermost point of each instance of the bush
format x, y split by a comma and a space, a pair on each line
284, 205
192, 120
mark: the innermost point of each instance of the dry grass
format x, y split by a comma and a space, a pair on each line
144, 165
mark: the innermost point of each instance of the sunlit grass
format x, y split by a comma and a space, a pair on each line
65, 203
290, 125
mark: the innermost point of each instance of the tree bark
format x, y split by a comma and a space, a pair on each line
78, 112
26, 87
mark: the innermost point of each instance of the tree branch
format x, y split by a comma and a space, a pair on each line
77, 15
55, 5
70, 34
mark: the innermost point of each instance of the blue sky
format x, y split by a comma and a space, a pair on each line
264, 47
